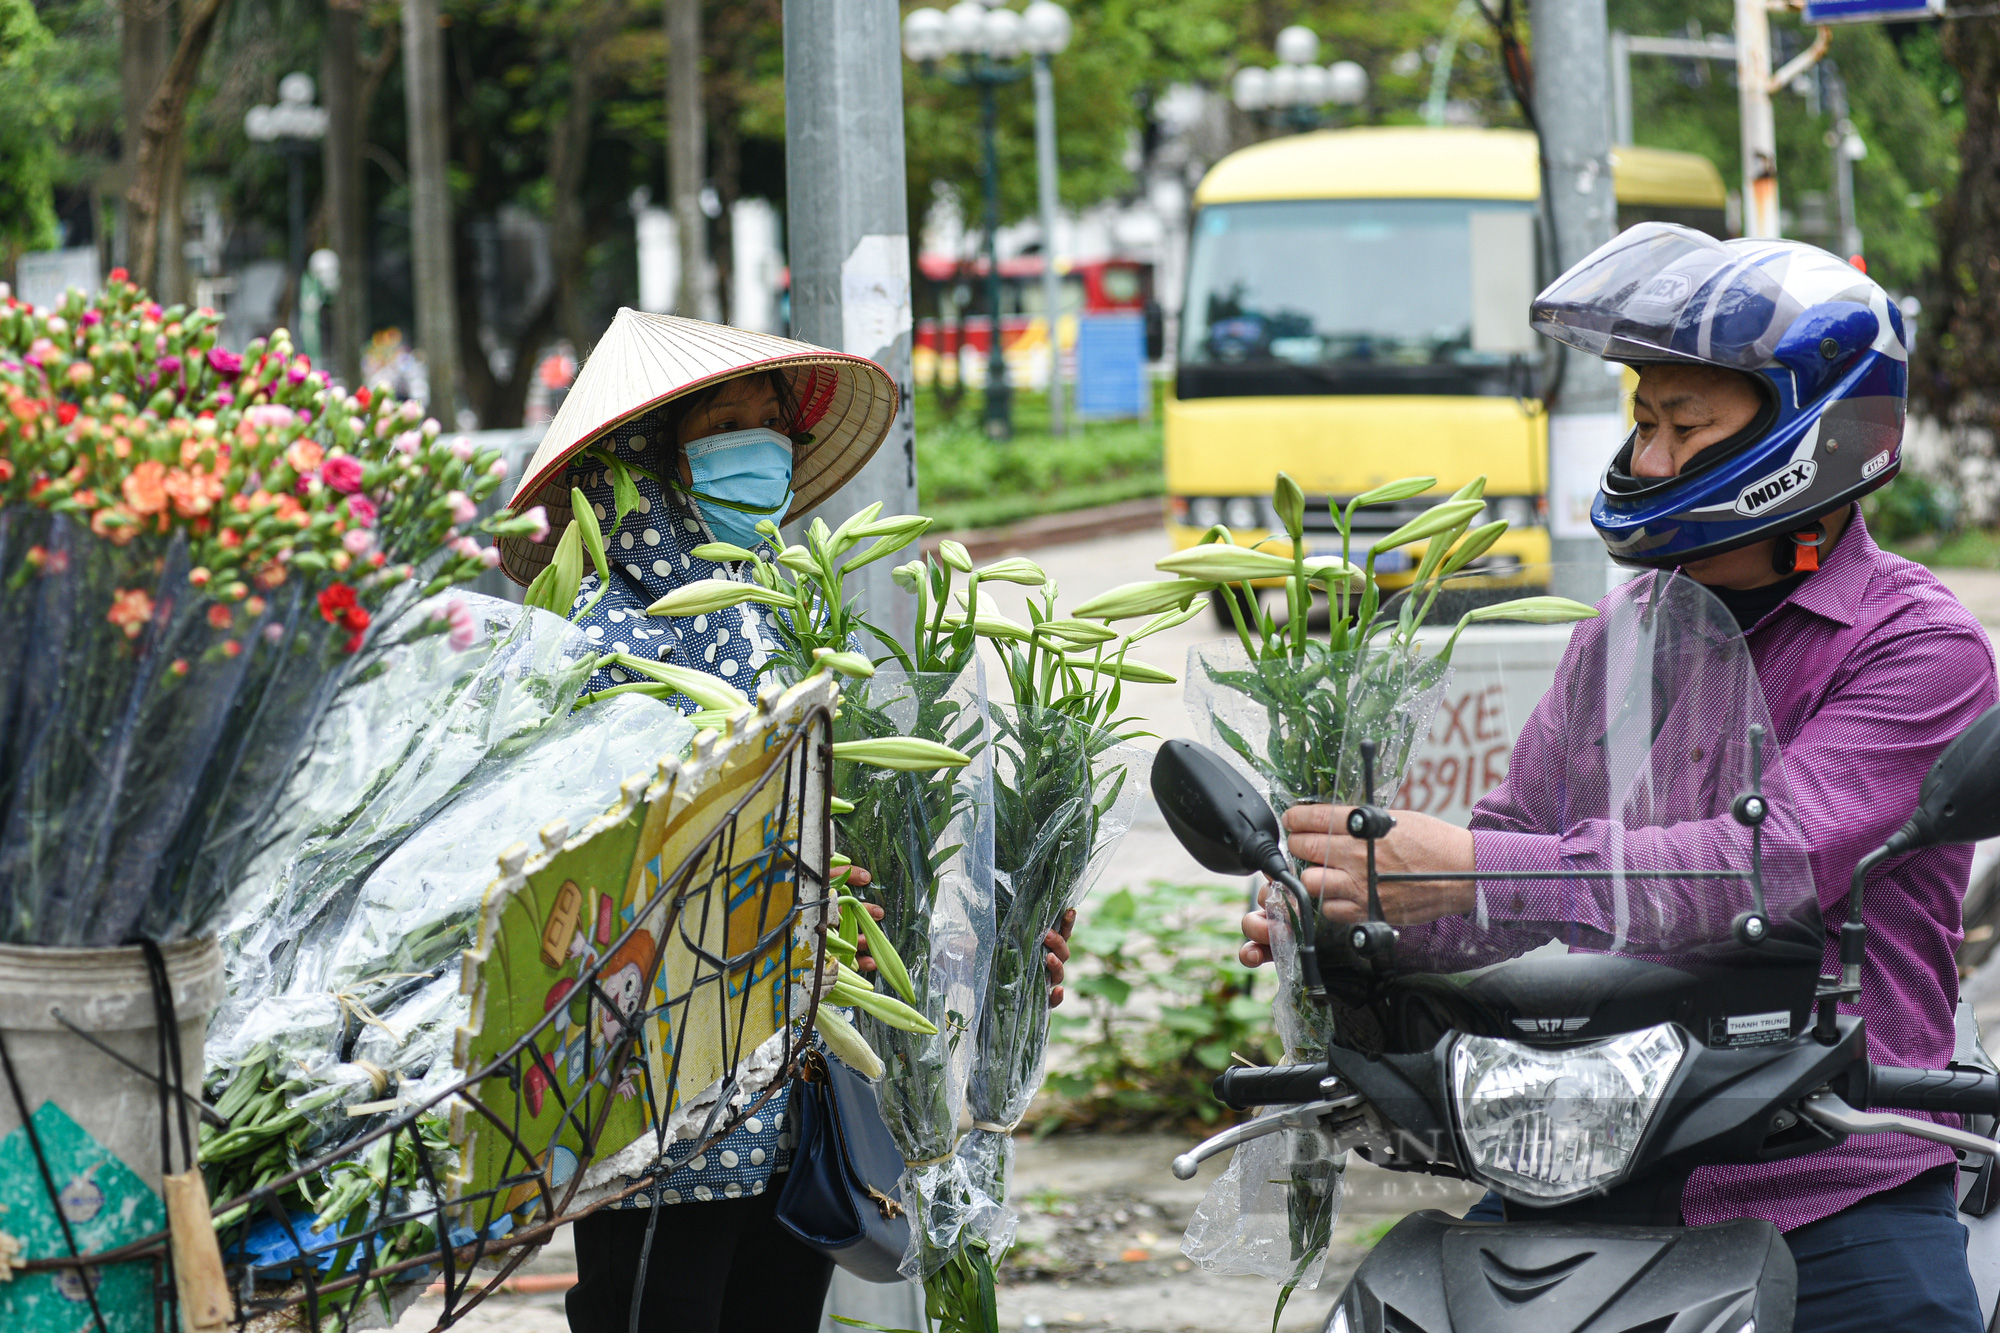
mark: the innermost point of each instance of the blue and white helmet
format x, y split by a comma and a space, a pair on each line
1822, 341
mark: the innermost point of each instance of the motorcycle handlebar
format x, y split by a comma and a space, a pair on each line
1961, 1091
1279, 1085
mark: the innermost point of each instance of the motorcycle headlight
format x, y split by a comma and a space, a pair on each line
1545, 1126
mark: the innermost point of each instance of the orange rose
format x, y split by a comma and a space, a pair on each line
146, 489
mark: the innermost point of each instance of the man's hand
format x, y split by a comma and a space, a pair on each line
1338, 872
1056, 941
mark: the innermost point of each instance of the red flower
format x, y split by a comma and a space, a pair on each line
355, 618
354, 642
219, 616
119, 275
66, 413
335, 601
363, 396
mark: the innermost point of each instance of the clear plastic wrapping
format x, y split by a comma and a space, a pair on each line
931, 859
344, 943
1064, 795
144, 731
1296, 727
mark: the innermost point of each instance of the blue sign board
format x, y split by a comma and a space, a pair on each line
1110, 367
1871, 11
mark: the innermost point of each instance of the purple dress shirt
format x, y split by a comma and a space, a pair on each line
1869, 669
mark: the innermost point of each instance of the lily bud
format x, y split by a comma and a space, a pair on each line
955, 555
1132, 673
1226, 564
903, 754
846, 663
1436, 519
706, 595
709, 692
908, 577
1142, 599
1014, 569
721, 552
1290, 502
1076, 631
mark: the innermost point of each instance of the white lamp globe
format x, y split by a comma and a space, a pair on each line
965, 28
1047, 28
925, 38
1004, 34
1250, 89
1347, 83
1285, 85
1315, 85
1298, 45
296, 88
1854, 147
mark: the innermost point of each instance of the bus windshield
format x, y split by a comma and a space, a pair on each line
1337, 296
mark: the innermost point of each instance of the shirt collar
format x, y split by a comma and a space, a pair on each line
1835, 592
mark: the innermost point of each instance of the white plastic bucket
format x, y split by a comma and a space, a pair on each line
96, 1122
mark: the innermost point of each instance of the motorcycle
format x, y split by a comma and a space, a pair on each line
1597, 1029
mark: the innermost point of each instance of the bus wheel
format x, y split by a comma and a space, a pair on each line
1218, 602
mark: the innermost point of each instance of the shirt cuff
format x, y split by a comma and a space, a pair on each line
1509, 851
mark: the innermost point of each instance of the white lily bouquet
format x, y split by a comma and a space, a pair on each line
1293, 711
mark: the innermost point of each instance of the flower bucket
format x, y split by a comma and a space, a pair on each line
94, 1133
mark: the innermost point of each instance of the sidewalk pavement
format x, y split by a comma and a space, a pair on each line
1100, 1237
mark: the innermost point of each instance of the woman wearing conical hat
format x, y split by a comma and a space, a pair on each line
718, 428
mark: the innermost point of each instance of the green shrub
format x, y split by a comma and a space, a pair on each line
1124, 1071
965, 480
1909, 507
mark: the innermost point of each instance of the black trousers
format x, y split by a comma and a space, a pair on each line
725, 1266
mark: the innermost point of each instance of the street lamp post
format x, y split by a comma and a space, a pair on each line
296, 126
987, 41
1292, 92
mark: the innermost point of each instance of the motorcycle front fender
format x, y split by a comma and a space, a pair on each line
1438, 1274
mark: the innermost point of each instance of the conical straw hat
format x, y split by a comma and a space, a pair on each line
645, 361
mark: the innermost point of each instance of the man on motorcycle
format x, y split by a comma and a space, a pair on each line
1772, 379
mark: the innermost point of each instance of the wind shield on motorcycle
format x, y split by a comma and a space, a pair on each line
1620, 863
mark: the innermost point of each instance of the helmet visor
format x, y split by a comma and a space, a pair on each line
1662, 292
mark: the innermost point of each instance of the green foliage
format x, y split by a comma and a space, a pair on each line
966, 481
32, 117
1903, 102
1125, 1070
1910, 507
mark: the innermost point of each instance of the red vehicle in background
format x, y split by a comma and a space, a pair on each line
953, 327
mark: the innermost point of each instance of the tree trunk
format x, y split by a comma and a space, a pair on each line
145, 42
1958, 373
346, 129
500, 404
160, 130
687, 155
430, 205
728, 189
569, 155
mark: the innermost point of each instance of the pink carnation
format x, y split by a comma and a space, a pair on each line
464, 627
342, 473
499, 468
357, 541
539, 516
407, 442
461, 448
489, 556
224, 362
362, 510
463, 510
466, 547
270, 415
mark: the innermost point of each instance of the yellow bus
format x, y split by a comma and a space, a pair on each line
1356, 311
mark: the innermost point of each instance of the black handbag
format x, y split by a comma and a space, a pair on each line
843, 1195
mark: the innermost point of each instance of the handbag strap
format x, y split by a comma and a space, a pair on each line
812, 1069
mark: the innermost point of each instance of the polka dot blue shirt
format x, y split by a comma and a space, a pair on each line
651, 553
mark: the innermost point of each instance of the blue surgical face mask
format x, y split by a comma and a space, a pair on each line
739, 478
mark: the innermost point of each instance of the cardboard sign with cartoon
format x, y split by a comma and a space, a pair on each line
703, 980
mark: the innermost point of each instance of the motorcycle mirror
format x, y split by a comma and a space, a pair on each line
1224, 825
1960, 799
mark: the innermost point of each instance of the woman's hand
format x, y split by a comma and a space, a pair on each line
1337, 873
